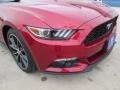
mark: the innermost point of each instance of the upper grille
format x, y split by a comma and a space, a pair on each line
101, 30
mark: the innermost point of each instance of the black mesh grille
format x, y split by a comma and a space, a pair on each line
101, 30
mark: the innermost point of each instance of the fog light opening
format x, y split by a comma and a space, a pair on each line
64, 63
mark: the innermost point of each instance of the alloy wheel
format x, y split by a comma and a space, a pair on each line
18, 51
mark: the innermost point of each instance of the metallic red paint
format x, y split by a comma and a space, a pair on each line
57, 14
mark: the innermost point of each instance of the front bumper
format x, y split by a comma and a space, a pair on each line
82, 67
46, 52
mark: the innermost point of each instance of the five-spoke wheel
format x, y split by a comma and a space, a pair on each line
20, 52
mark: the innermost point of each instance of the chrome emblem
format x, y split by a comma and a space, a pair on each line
109, 26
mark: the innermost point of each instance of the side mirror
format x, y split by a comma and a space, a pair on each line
16, 0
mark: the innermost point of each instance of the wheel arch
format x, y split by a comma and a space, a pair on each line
4, 32
6, 26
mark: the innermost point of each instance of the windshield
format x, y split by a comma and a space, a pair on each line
47, 0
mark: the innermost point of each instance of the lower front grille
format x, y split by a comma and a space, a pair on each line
101, 30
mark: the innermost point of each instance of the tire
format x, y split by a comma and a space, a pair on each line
20, 52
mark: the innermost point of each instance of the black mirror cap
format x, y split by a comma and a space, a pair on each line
17, 1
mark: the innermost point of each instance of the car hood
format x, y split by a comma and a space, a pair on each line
62, 15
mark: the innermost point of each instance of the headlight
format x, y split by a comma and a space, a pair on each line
51, 33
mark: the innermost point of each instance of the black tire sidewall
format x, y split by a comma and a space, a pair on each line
31, 65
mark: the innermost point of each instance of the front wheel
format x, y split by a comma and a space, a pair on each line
20, 52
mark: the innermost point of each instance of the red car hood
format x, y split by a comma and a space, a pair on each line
63, 15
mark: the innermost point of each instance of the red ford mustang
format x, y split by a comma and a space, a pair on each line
57, 35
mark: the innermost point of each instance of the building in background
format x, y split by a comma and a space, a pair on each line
115, 3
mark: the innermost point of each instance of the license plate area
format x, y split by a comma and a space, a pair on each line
110, 43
